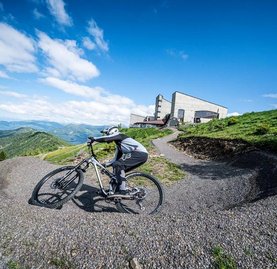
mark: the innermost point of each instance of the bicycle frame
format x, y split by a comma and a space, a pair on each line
92, 160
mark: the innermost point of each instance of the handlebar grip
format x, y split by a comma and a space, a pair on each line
91, 140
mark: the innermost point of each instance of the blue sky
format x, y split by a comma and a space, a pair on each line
97, 61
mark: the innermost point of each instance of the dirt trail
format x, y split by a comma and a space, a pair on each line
209, 184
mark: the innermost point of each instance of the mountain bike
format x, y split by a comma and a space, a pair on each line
145, 192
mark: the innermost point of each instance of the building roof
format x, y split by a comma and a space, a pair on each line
199, 99
163, 97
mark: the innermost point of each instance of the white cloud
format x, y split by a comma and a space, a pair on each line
232, 114
91, 112
56, 8
38, 15
3, 74
96, 93
12, 94
13, 109
100, 106
270, 95
64, 59
143, 110
73, 88
72, 46
98, 34
16, 50
88, 43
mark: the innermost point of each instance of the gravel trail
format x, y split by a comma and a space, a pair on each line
92, 234
209, 184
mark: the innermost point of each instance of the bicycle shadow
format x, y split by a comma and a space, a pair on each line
89, 200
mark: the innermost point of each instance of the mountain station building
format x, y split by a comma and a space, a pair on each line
183, 108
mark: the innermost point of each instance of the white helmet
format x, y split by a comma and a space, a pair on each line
110, 130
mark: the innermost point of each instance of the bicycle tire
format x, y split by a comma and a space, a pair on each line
154, 195
39, 198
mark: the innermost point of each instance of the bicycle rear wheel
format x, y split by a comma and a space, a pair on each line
58, 187
146, 192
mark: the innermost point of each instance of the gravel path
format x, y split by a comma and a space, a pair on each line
184, 235
208, 184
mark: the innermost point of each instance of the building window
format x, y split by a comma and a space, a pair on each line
181, 115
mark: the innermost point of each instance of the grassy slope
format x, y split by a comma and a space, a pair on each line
156, 165
257, 128
28, 142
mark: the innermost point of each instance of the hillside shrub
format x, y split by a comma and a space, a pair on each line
262, 129
187, 128
216, 125
232, 121
3, 156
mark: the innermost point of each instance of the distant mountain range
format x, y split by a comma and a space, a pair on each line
71, 133
27, 141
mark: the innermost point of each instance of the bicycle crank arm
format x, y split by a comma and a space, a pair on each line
120, 197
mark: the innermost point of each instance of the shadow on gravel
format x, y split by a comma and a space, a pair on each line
89, 200
263, 182
265, 164
213, 171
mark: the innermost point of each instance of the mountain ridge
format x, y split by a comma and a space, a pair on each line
71, 133
27, 141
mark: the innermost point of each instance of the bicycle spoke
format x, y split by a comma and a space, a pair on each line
146, 192
58, 186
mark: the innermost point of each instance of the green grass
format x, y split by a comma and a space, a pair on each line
257, 128
13, 265
61, 263
68, 154
164, 170
146, 135
64, 155
222, 260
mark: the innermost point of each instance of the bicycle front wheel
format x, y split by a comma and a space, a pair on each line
58, 187
146, 192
